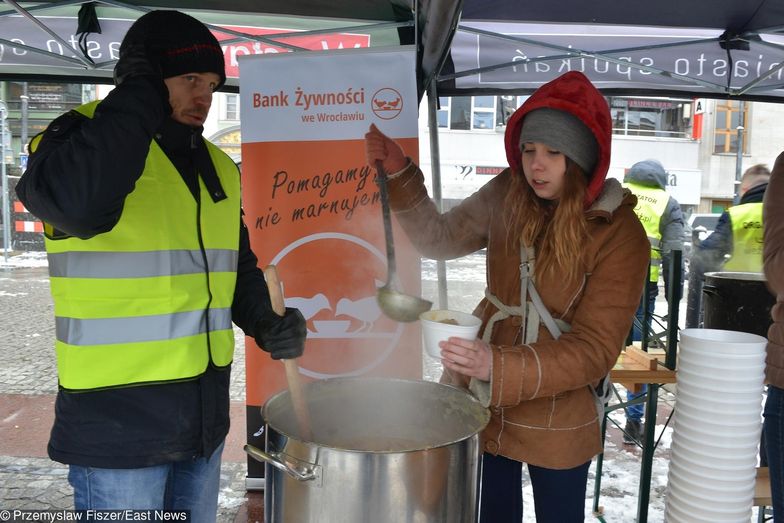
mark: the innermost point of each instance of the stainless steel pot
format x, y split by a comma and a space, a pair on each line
383, 450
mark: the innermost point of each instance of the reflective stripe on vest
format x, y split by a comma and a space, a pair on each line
146, 302
651, 204
747, 237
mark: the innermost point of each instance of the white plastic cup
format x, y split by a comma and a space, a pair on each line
435, 330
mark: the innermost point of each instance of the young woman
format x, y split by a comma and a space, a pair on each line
564, 241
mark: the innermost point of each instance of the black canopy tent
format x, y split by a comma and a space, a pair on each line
645, 48
470, 46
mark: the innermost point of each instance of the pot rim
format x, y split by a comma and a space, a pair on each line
483, 412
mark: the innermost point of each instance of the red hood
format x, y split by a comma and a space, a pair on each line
574, 93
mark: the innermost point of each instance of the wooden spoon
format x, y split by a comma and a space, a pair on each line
292, 369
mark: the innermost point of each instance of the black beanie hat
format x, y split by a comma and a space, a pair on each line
180, 43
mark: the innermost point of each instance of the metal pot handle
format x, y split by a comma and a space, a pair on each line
710, 290
299, 471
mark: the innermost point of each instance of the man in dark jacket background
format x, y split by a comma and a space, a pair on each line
662, 218
735, 245
149, 265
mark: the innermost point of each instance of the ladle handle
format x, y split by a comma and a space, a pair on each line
292, 371
386, 214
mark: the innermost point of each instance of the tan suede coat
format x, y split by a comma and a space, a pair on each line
773, 265
543, 410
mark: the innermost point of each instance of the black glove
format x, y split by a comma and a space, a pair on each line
282, 336
135, 62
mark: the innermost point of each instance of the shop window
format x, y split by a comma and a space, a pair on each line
486, 113
728, 118
659, 117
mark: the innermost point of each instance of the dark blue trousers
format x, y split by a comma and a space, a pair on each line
774, 443
559, 495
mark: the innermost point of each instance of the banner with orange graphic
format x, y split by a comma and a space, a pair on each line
312, 208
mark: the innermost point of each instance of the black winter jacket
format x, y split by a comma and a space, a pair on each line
77, 180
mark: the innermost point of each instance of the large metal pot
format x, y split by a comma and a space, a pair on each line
737, 301
382, 450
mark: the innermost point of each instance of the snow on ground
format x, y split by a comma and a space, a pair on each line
23, 259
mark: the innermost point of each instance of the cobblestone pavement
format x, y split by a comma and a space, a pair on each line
31, 481
26, 344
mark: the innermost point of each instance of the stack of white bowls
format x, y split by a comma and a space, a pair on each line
717, 425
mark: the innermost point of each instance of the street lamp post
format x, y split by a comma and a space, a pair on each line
739, 157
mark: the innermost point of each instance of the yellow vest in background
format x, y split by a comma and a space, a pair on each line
150, 300
747, 231
651, 204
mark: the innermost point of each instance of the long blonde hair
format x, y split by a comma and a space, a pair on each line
556, 229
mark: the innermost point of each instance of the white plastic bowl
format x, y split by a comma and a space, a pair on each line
734, 453
751, 394
676, 512
434, 330
723, 501
725, 364
736, 437
735, 418
752, 383
714, 471
691, 512
716, 403
719, 342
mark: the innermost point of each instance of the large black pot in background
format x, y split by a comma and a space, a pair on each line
737, 301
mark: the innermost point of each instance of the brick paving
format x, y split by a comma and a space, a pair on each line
29, 480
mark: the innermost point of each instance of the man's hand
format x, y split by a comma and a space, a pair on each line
282, 336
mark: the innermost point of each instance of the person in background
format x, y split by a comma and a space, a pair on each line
662, 218
773, 267
736, 243
149, 264
564, 242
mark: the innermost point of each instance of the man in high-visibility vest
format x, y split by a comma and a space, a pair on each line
736, 243
150, 264
662, 218
737, 238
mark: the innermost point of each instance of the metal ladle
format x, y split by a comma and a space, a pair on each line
393, 303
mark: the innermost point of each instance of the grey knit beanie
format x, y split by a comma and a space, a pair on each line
563, 132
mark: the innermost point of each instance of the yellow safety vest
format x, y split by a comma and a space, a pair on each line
746, 238
150, 300
651, 204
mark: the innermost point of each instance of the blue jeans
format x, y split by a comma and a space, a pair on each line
559, 495
183, 485
774, 443
635, 412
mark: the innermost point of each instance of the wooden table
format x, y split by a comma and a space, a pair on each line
634, 369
